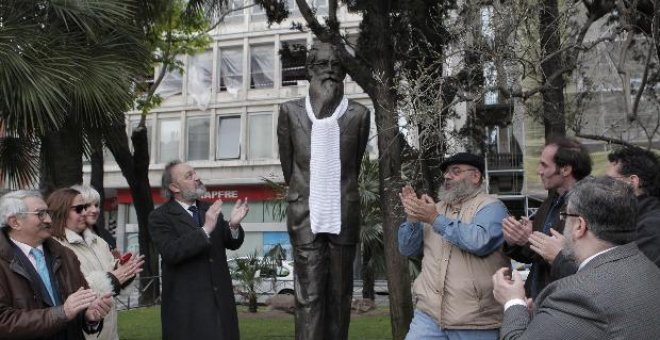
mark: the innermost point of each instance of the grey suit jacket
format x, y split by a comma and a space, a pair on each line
615, 296
294, 131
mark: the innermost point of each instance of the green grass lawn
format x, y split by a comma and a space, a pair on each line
144, 324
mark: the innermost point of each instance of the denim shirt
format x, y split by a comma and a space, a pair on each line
480, 237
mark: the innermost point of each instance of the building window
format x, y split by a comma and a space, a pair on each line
200, 77
321, 6
490, 83
133, 124
291, 6
487, 24
172, 83
293, 55
198, 138
228, 141
231, 69
235, 11
168, 143
261, 66
258, 13
260, 135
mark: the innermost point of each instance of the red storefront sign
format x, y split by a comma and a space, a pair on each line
225, 193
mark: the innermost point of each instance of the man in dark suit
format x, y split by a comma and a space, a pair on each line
192, 236
563, 162
43, 294
614, 294
322, 139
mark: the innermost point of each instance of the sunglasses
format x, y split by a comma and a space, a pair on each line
80, 207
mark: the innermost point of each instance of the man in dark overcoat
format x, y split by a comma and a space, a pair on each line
322, 139
192, 236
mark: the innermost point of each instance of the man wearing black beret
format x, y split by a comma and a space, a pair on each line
461, 240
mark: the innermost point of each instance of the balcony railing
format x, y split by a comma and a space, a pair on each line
504, 161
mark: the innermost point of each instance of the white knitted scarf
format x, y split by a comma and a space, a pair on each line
325, 171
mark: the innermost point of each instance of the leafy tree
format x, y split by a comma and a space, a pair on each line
60, 60
70, 71
251, 270
371, 232
247, 273
379, 49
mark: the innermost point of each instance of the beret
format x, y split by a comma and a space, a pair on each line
464, 158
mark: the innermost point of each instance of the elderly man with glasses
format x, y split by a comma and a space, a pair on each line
461, 240
43, 294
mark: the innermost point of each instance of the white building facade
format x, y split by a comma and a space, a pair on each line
220, 116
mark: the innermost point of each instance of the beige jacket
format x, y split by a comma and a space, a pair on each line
455, 287
96, 261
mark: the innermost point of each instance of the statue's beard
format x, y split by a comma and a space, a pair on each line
325, 96
453, 192
196, 194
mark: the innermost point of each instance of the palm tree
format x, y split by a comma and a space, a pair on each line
247, 273
371, 233
67, 70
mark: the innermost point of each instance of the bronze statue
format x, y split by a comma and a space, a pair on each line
322, 139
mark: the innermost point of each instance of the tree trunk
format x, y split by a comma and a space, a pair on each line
135, 168
368, 277
61, 154
376, 21
96, 181
553, 96
252, 303
390, 184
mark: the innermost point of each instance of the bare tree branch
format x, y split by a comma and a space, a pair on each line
610, 140
359, 71
224, 14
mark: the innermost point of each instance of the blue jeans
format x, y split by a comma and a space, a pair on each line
424, 327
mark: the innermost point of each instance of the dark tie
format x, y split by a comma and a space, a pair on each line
43, 271
195, 214
553, 214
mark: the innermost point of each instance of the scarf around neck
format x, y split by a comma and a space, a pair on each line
325, 170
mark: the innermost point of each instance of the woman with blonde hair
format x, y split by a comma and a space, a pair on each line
91, 196
100, 268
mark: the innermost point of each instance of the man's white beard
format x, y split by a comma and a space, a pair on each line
200, 190
328, 94
458, 192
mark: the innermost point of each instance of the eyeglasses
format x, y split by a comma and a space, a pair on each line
456, 171
619, 177
80, 207
41, 214
563, 215
323, 63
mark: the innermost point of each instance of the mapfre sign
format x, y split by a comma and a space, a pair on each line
214, 193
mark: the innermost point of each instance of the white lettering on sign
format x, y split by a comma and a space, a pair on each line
221, 194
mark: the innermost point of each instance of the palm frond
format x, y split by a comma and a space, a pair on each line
19, 162
278, 204
66, 56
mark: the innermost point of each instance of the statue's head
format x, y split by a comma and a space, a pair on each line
323, 64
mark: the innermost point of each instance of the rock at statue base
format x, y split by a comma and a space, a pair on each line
363, 305
283, 302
